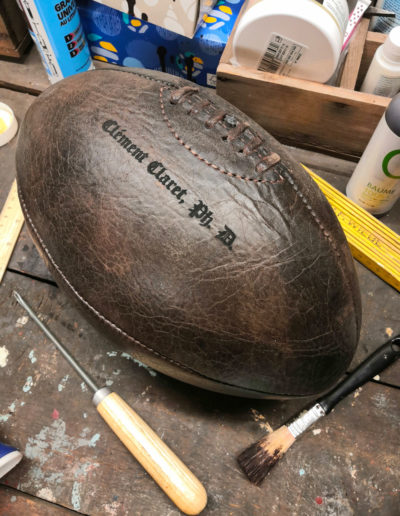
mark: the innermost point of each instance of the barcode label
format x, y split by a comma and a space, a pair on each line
211, 80
281, 55
268, 61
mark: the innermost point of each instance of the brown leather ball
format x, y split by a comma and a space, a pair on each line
187, 232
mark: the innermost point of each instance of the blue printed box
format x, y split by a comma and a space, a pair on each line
115, 37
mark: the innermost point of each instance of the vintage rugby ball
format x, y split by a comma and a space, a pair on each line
187, 232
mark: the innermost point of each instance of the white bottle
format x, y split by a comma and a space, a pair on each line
375, 183
299, 38
383, 76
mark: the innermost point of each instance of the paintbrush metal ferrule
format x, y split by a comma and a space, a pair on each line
300, 425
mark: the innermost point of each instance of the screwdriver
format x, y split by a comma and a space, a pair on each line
160, 462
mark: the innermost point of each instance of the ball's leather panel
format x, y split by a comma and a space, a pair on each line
184, 229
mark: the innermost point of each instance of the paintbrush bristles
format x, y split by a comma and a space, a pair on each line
260, 457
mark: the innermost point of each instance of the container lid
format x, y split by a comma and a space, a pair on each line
8, 124
392, 114
10, 459
391, 47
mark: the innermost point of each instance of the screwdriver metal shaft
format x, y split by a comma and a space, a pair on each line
82, 373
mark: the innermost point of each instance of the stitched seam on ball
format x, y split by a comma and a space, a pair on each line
204, 160
327, 235
91, 308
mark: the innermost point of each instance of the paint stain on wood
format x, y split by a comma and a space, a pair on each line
3, 356
32, 357
28, 384
61, 385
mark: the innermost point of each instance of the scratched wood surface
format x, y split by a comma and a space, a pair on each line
19, 103
350, 460
74, 464
16, 503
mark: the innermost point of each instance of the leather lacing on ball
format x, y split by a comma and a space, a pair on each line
213, 120
236, 130
252, 145
179, 95
199, 107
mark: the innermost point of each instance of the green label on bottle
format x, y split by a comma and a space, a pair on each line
385, 163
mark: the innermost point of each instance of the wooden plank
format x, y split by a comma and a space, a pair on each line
14, 35
16, 503
14, 20
349, 118
11, 221
22, 260
28, 75
27, 260
19, 103
354, 56
350, 461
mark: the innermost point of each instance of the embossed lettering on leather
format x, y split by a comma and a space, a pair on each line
187, 232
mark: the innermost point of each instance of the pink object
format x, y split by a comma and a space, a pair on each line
55, 414
354, 20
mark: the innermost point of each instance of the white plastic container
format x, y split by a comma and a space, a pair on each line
383, 76
8, 124
299, 38
375, 183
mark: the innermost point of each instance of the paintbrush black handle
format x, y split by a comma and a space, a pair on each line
373, 365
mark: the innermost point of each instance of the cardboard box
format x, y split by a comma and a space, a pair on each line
182, 17
117, 38
337, 120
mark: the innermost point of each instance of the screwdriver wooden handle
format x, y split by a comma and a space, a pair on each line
176, 480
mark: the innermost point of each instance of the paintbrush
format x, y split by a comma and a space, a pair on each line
260, 457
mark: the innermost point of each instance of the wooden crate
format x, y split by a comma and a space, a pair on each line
14, 34
329, 119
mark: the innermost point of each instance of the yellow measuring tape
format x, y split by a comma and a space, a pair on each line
371, 242
11, 221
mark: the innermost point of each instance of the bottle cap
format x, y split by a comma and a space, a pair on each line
391, 47
8, 124
392, 114
9, 457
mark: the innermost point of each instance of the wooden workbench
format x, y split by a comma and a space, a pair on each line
347, 465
